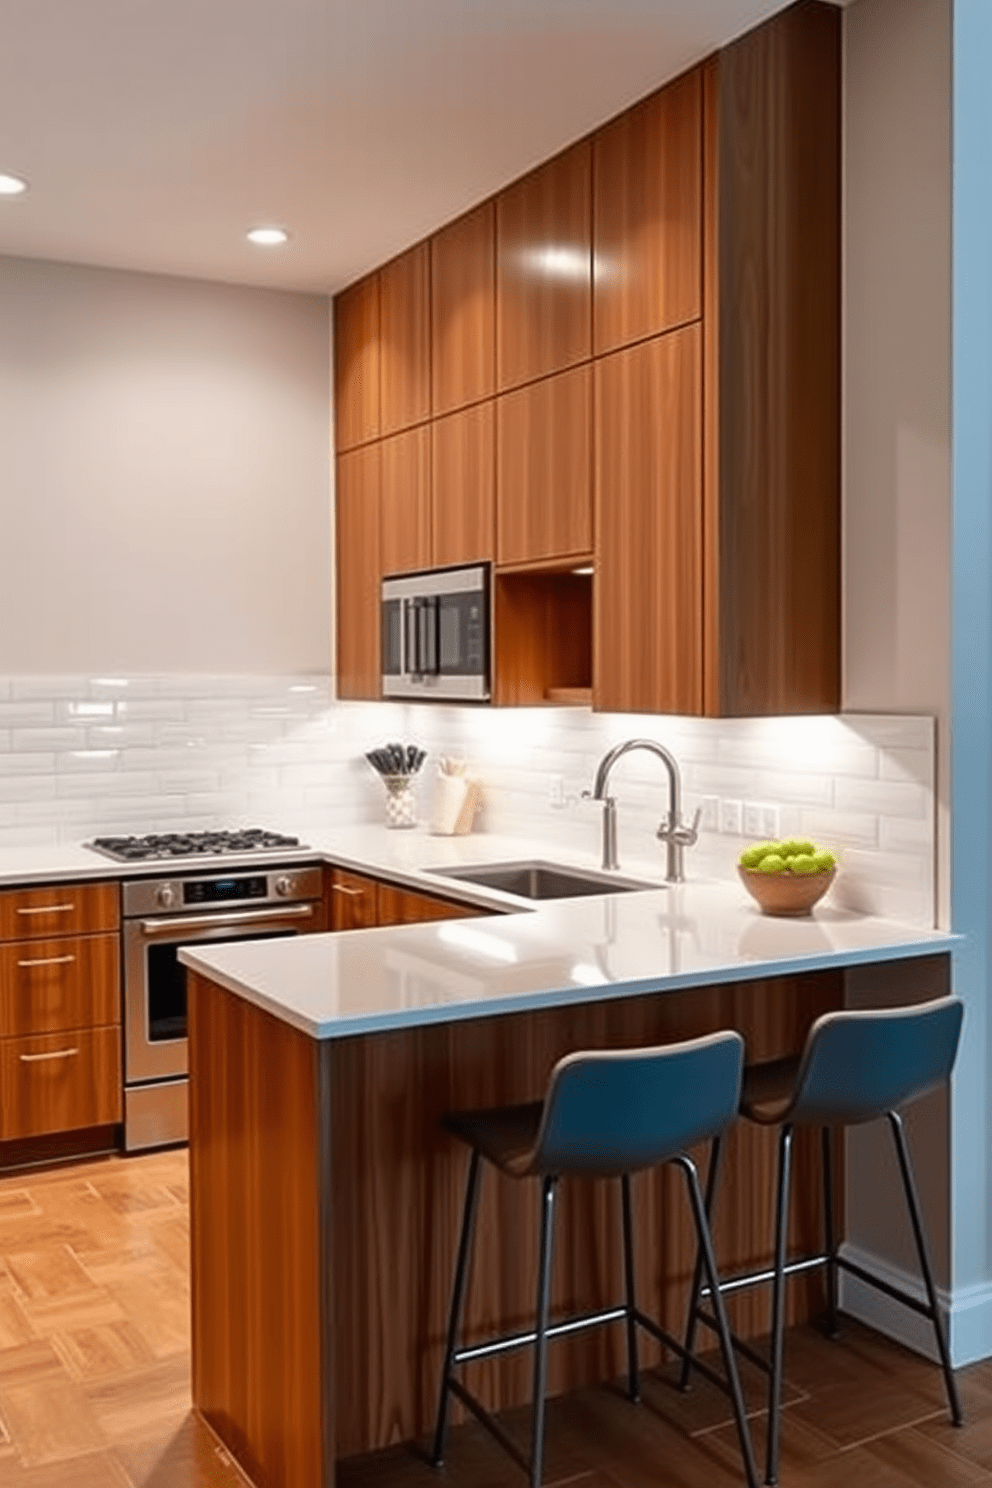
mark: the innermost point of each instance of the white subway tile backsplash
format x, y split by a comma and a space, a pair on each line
883, 797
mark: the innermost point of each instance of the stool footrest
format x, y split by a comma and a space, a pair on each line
510, 1341
759, 1278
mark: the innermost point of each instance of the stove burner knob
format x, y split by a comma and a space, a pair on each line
166, 896
284, 885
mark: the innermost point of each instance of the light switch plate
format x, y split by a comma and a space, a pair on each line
771, 823
731, 815
710, 819
752, 819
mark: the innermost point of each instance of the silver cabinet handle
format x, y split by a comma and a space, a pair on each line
248, 922
49, 961
55, 1054
48, 909
352, 893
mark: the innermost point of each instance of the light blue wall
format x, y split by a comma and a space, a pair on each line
971, 734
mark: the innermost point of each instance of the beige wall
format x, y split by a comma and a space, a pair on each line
897, 503
164, 480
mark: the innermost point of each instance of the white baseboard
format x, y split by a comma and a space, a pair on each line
967, 1315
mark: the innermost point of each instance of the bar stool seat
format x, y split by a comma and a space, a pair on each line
607, 1114
855, 1067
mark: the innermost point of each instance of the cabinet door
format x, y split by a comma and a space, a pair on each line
404, 907
406, 501
544, 269
358, 573
463, 479
544, 469
354, 901
404, 342
49, 985
60, 1082
647, 228
463, 311
356, 364
648, 603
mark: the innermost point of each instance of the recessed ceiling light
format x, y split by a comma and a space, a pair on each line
12, 185
268, 237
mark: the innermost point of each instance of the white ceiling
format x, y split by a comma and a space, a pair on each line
155, 132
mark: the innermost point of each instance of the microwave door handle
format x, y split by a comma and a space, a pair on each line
410, 658
431, 657
423, 648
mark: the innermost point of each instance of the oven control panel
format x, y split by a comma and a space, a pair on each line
180, 894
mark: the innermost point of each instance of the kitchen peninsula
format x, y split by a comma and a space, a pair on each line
324, 1198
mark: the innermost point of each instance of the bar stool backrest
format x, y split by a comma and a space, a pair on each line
614, 1111
857, 1065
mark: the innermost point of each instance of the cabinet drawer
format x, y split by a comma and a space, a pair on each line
48, 985
59, 1082
59, 909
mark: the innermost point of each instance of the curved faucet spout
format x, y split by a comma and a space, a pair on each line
676, 836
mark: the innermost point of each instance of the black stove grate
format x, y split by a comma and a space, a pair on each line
161, 846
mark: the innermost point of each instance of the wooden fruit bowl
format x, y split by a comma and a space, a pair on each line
786, 893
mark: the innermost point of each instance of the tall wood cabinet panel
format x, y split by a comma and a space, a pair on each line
406, 501
544, 269
404, 339
356, 363
358, 572
647, 609
463, 310
463, 480
647, 226
773, 396
544, 469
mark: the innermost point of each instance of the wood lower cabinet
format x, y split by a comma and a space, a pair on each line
361, 903
648, 624
353, 901
60, 1010
359, 474
405, 907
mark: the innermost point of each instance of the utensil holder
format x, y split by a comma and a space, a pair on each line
401, 803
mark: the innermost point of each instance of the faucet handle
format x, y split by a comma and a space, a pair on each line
679, 833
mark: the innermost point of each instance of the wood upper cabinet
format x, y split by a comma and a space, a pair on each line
463, 479
356, 364
463, 310
406, 501
358, 497
648, 611
544, 269
647, 228
544, 469
404, 339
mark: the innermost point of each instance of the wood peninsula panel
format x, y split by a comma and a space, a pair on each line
406, 501
358, 496
463, 479
354, 901
647, 631
544, 269
59, 909
259, 1240
463, 310
404, 339
647, 225
399, 1183
544, 469
778, 605
48, 985
405, 907
59, 1082
356, 363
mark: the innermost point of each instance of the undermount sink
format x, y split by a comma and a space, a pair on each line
536, 880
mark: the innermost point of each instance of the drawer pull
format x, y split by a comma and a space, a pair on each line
352, 893
49, 961
55, 1054
48, 909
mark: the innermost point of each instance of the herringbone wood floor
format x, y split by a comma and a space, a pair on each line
94, 1377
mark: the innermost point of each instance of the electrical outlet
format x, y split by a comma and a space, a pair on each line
752, 819
771, 823
556, 790
731, 813
710, 819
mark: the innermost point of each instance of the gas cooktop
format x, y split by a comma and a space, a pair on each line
167, 845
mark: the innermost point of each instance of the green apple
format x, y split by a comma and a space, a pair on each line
752, 856
772, 862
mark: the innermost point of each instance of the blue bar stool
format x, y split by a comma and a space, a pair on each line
855, 1067
607, 1114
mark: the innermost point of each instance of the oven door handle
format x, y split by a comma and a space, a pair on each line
218, 921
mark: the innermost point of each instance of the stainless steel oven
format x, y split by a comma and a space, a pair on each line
435, 635
160, 915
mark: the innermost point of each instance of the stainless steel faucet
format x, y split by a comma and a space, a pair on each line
672, 832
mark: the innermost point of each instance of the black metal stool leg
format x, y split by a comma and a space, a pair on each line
829, 1231
457, 1303
716, 1148
778, 1302
633, 1379
726, 1343
548, 1193
926, 1266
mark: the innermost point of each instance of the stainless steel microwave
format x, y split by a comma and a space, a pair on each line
435, 635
